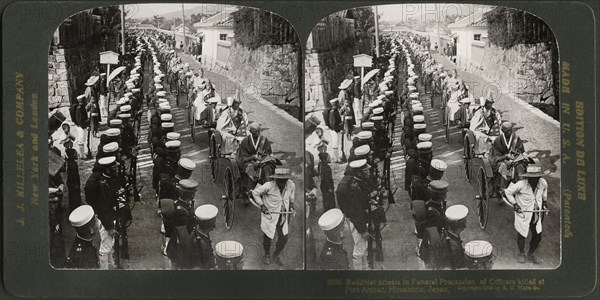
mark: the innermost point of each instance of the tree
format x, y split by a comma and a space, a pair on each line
158, 20
146, 21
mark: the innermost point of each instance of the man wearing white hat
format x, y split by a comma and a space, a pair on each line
483, 122
529, 199
105, 205
333, 255
352, 194
276, 201
203, 254
83, 254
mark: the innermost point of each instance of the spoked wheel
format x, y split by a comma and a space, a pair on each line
482, 199
193, 129
468, 159
447, 125
229, 205
213, 156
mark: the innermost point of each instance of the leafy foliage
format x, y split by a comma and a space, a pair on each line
508, 27
254, 28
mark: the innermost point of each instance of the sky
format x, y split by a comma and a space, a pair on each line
423, 11
142, 11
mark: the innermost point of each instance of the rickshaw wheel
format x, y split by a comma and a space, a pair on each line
214, 156
447, 125
229, 205
193, 130
482, 205
468, 159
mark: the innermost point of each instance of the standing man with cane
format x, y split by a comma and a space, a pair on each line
528, 197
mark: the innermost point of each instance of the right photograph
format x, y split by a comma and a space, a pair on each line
432, 139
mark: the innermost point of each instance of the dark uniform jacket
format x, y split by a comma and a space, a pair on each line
82, 255
203, 254
353, 200
333, 257
128, 139
335, 120
107, 201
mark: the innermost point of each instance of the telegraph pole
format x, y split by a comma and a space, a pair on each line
183, 25
376, 32
438, 16
122, 29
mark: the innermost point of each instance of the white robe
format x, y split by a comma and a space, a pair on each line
527, 199
275, 201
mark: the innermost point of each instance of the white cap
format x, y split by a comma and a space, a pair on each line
173, 136
419, 119
110, 147
166, 117
378, 110
376, 118
187, 163
331, 219
417, 108
334, 100
115, 122
113, 132
357, 164
424, 145
105, 161
365, 135
362, 150
81, 215
367, 125
80, 97
125, 108
478, 249
173, 144
439, 164
425, 137
456, 212
206, 212
229, 249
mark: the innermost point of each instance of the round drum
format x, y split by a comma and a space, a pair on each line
437, 190
229, 255
478, 255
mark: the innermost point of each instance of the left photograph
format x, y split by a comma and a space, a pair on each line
175, 140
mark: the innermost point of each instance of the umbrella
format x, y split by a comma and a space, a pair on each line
115, 72
369, 76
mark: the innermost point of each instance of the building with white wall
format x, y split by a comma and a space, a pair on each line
471, 34
217, 36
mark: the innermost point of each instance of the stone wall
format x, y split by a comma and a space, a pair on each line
524, 71
324, 71
270, 72
68, 70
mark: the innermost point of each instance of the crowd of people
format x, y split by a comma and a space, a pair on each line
366, 112
152, 73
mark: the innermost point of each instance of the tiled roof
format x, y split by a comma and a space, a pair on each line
476, 19
225, 23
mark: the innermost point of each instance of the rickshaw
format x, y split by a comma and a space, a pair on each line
486, 176
448, 123
224, 168
197, 107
